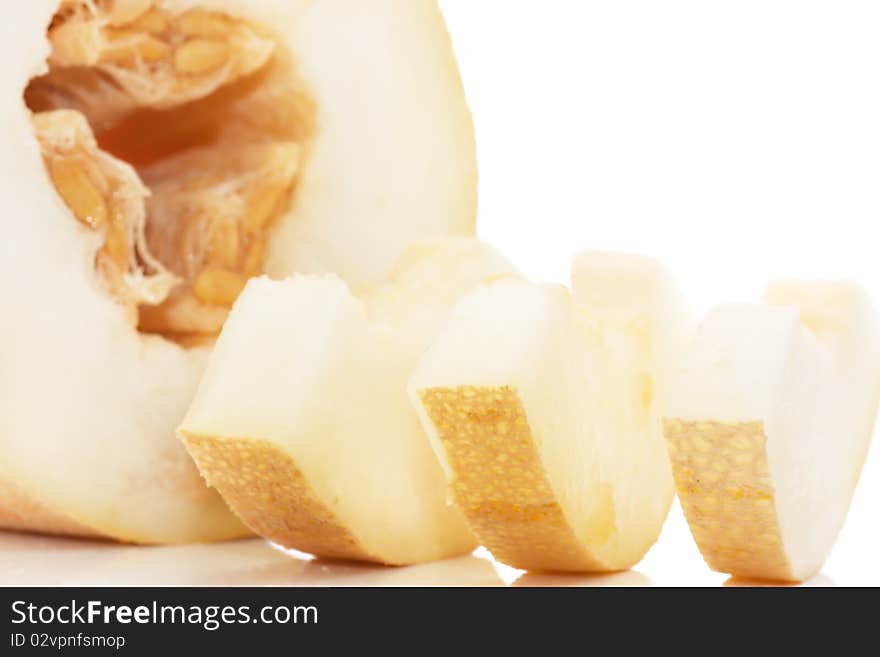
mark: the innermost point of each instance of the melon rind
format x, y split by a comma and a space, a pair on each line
542, 404
769, 423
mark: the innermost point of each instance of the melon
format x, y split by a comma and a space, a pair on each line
768, 424
543, 406
302, 420
159, 154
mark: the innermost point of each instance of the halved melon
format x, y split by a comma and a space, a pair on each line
302, 421
543, 406
158, 153
768, 425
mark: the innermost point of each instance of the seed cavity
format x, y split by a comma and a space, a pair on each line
123, 12
179, 208
218, 287
73, 182
106, 195
201, 56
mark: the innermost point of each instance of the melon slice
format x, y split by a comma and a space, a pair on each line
165, 152
768, 425
303, 423
543, 406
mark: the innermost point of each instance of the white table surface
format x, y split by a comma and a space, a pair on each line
29, 560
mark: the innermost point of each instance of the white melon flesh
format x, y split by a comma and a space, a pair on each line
768, 425
165, 152
303, 423
543, 406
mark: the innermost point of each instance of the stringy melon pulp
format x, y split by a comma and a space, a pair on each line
175, 139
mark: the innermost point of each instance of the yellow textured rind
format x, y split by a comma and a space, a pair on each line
723, 481
264, 487
23, 512
498, 480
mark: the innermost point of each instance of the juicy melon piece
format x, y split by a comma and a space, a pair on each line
768, 425
543, 406
302, 421
167, 151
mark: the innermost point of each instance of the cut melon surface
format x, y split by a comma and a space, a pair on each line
160, 153
543, 407
768, 424
303, 422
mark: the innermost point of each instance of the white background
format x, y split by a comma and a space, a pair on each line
737, 141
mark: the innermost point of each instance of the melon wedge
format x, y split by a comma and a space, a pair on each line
768, 425
543, 406
165, 152
303, 423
